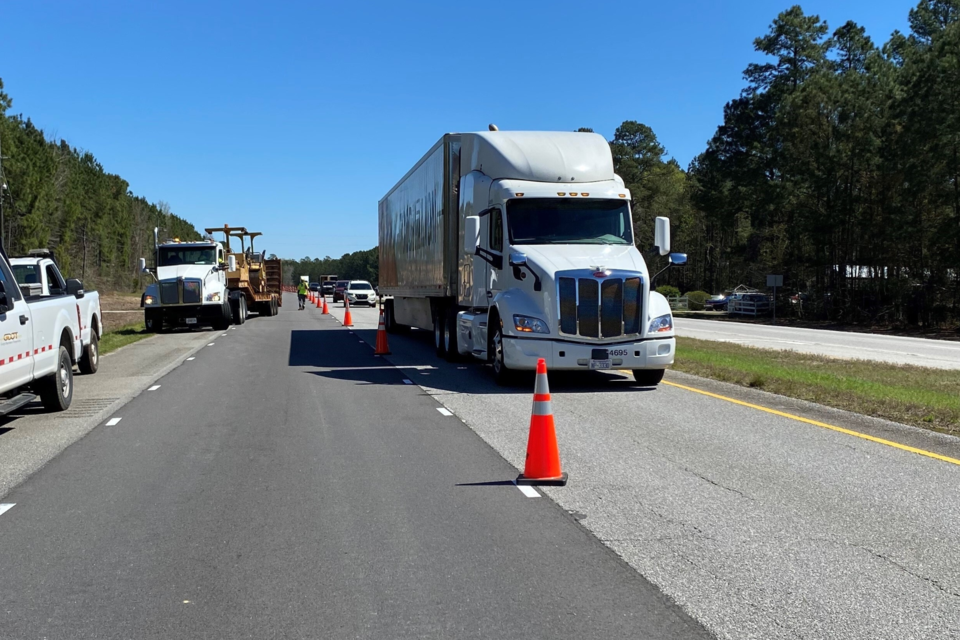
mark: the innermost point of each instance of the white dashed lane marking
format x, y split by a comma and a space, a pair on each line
6, 507
211, 344
527, 490
444, 411
154, 387
188, 359
113, 421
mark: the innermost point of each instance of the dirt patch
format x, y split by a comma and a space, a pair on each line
120, 310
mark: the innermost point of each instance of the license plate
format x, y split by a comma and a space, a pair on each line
601, 364
191, 321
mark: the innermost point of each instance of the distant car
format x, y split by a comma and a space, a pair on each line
339, 289
361, 292
715, 303
326, 288
314, 286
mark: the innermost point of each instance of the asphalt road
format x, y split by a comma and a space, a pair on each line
760, 526
941, 354
288, 484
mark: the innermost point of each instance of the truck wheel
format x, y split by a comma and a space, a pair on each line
153, 320
239, 308
439, 333
274, 306
451, 346
90, 361
390, 323
648, 377
56, 389
501, 374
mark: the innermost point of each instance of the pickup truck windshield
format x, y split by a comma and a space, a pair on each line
172, 256
569, 221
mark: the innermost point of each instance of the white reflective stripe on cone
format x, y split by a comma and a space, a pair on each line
542, 385
542, 408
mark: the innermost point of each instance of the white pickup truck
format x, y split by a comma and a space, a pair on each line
40, 338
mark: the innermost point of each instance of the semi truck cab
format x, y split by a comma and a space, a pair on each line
546, 265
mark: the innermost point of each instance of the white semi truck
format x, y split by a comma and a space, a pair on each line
517, 245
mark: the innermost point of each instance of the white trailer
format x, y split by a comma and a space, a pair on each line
515, 246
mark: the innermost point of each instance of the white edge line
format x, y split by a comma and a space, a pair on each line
444, 411
113, 421
154, 387
527, 490
6, 507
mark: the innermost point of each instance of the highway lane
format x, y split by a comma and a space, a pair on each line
758, 525
288, 484
923, 352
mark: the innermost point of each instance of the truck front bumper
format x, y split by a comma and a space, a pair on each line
204, 314
653, 353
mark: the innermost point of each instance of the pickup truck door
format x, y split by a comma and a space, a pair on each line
16, 336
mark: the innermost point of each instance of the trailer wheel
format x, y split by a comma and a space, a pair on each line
56, 390
90, 361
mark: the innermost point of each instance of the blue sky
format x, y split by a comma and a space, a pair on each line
294, 118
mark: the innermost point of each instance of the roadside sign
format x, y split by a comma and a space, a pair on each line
774, 281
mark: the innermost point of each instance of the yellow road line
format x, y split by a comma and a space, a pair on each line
824, 425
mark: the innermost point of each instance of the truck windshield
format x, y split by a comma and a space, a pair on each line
555, 221
172, 256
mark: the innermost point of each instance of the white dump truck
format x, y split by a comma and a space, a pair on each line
517, 245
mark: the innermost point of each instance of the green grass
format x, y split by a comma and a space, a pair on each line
928, 398
127, 334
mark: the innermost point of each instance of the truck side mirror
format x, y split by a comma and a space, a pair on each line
231, 263
661, 235
75, 288
471, 235
678, 259
143, 265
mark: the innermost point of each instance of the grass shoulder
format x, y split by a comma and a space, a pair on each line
122, 336
918, 396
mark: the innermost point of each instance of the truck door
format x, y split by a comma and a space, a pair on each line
16, 335
488, 264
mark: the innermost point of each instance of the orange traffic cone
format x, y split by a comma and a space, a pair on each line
324, 307
319, 306
543, 456
347, 318
382, 348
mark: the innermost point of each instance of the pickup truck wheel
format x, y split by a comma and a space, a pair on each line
90, 361
648, 377
501, 374
56, 389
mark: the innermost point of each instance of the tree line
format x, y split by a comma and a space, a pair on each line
59, 197
837, 166
359, 265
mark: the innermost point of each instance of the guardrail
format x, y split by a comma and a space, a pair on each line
679, 303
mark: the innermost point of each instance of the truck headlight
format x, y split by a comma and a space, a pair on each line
661, 324
213, 297
526, 324
148, 300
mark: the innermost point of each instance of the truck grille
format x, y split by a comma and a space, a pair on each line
595, 308
191, 291
169, 293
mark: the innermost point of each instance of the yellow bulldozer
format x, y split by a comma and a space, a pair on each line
254, 283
